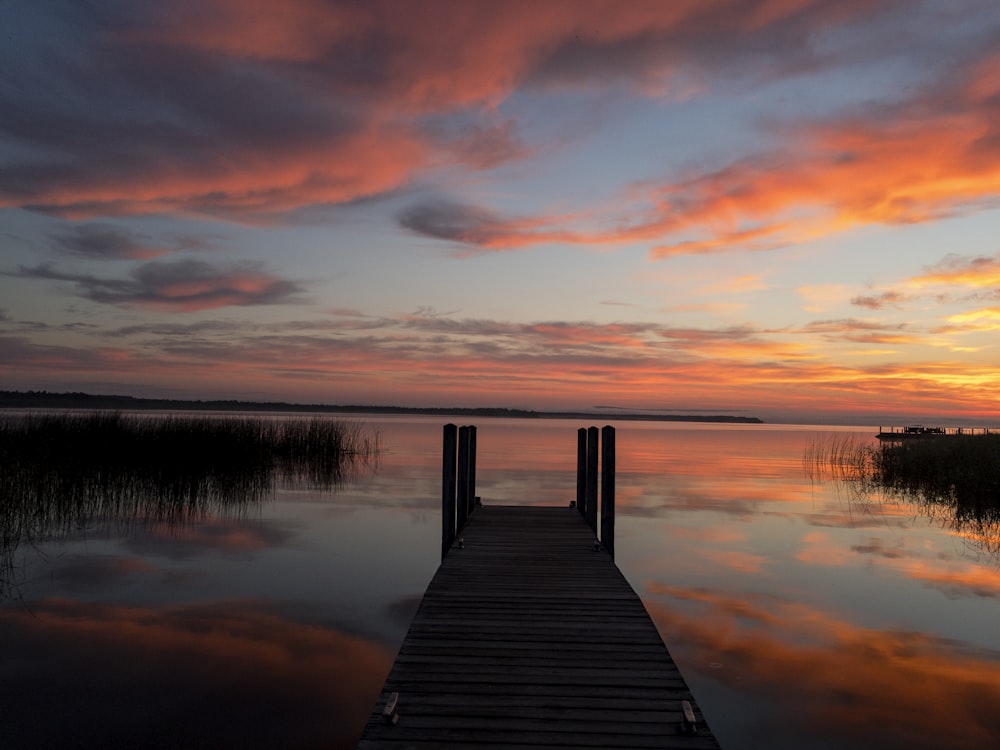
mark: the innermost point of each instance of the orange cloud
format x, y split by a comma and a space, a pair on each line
434, 358
989, 314
915, 161
443, 55
839, 175
239, 182
854, 172
979, 272
984, 79
246, 111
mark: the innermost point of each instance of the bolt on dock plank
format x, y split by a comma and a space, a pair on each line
528, 637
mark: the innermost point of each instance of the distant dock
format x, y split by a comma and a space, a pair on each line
916, 432
529, 636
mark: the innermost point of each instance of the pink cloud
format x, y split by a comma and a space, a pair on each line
247, 111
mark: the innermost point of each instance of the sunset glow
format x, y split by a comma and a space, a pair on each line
779, 209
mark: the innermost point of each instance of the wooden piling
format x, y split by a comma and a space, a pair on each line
463, 479
458, 482
472, 469
592, 457
608, 489
581, 470
449, 466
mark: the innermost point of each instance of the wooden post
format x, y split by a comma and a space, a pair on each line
472, 468
591, 515
608, 489
463, 479
448, 469
581, 470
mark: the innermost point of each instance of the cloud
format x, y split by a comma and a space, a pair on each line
168, 128
447, 360
957, 270
860, 331
879, 301
105, 241
179, 286
479, 227
485, 147
245, 111
972, 321
18, 351
485, 52
988, 314
932, 155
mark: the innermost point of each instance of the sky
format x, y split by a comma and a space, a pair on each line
787, 209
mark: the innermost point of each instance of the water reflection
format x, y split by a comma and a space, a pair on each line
804, 614
952, 480
827, 682
67, 475
800, 614
191, 675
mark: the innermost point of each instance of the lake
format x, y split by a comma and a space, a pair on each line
801, 612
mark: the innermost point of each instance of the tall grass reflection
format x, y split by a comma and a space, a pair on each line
63, 472
954, 478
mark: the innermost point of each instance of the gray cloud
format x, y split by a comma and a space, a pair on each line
859, 331
879, 301
105, 241
183, 286
445, 220
458, 222
181, 330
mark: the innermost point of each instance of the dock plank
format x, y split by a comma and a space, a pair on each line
529, 638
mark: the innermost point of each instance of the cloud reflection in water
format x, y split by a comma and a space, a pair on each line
223, 671
832, 677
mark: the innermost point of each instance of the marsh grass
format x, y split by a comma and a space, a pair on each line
957, 476
840, 457
961, 469
63, 472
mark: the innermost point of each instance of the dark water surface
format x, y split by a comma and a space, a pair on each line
801, 613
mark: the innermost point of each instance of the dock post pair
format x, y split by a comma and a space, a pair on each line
458, 482
589, 442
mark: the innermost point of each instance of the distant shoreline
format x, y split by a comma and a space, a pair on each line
47, 400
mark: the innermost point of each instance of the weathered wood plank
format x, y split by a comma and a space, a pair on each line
529, 638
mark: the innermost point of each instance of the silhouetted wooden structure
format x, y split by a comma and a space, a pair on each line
529, 636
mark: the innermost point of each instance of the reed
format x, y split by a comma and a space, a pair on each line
840, 457
956, 477
963, 470
61, 472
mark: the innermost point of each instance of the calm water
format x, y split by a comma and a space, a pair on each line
801, 614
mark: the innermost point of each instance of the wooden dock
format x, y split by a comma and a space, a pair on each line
529, 637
